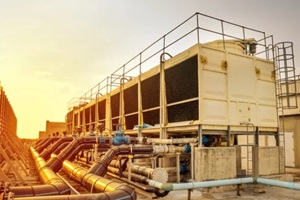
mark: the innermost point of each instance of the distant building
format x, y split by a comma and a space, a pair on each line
42, 134
53, 129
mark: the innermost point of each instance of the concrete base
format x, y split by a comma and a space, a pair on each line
215, 163
270, 160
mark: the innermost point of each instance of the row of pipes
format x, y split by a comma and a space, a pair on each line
61, 153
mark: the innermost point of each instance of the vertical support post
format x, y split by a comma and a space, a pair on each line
178, 166
97, 108
198, 40
73, 121
189, 194
82, 122
192, 161
200, 135
140, 109
162, 134
255, 163
96, 152
255, 155
277, 138
108, 121
129, 166
163, 120
228, 136
256, 141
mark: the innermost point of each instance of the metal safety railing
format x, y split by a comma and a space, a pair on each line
199, 28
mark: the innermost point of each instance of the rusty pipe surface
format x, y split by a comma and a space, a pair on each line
53, 185
100, 168
95, 183
47, 152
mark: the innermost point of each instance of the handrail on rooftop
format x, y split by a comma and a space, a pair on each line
126, 70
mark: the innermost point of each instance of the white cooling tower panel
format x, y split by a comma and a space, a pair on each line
241, 78
213, 85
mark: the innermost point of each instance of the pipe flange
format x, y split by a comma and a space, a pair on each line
160, 175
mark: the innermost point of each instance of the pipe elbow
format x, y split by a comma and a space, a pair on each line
124, 192
62, 188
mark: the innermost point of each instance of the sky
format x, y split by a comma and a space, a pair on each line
54, 50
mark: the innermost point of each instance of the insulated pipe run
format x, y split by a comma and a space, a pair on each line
100, 168
146, 188
47, 152
158, 174
195, 185
217, 183
289, 185
61, 147
96, 184
121, 193
69, 153
170, 149
40, 142
135, 177
53, 184
41, 147
55, 163
80, 147
171, 141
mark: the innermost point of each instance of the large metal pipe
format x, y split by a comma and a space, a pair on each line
138, 178
134, 177
146, 188
289, 185
205, 184
158, 174
121, 193
53, 185
55, 163
83, 146
45, 144
171, 141
40, 142
100, 168
195, 185
69, 152
61, 147
96, 184
47, 152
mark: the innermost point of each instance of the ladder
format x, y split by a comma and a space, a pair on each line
286, 90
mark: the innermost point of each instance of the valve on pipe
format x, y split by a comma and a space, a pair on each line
120, 138
212, 140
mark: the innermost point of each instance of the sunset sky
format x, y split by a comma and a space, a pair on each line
54, 50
